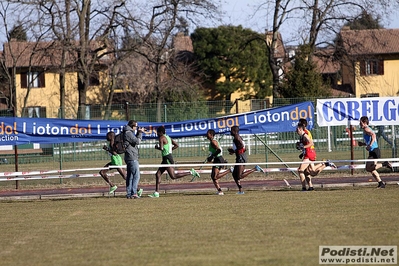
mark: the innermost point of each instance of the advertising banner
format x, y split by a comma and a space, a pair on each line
15, 131
347, 111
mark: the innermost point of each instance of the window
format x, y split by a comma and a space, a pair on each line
33, 79
371, 67
34, 111
369, 95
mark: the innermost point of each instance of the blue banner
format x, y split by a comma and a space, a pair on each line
15, 131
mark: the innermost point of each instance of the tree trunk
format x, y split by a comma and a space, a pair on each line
158, 92
62, 85
111, 93
82, 88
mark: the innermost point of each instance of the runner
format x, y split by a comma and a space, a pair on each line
241, 157
166, 145
216, 155
116, 160
374, 152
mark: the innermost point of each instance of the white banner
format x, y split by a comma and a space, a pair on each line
345, 111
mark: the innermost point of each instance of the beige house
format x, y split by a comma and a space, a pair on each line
36, 68
371, 62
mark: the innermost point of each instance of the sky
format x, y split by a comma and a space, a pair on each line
241, 12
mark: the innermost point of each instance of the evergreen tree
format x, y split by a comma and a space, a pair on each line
233, 58
303, 79
364, 21
18, 33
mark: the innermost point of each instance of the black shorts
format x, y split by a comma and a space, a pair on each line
375, 153
217, 160
242, 158
168, 159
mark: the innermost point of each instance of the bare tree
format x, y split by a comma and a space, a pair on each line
86, 34
82, 35
8, 65
8, 82
282, 11
19, 52
92, 47
59, 14
156, 32
315, 21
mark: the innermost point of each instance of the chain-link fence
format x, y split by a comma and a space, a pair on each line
331, 142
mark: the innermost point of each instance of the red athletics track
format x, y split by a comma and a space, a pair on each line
197, 186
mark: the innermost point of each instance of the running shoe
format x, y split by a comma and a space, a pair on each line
194, 173
140, 192
259, 169
154, 195
381, 184
387, 165
310, 189
220, 193
331, 164
240, 193
112, 189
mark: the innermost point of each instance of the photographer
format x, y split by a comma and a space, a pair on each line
132, 138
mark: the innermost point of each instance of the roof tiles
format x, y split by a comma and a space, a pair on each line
367, 42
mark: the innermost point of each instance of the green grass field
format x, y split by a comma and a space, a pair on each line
258, 228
